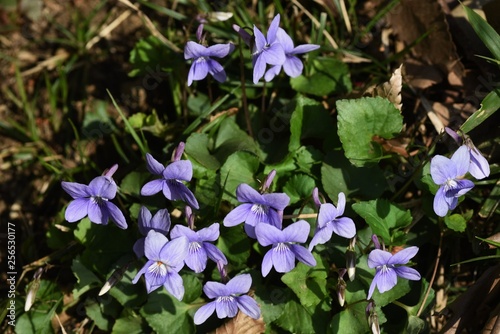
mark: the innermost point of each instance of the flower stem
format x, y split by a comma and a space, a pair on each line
243, 92
302, 215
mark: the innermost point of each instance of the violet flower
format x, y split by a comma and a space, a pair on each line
447, 173
388, 267
165, 260
266, 50
160, 222
94, 200
203, 64
329, 222
256, 208
199, 247
170, 182
229, 298
293, 65
284, 246
479, 166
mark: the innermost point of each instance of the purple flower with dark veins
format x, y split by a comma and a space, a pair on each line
203, 63
329, 222
160, 222
200, 249
256, 208
229, 298
266, 50
388, 267
165, 260
293, 65
94, 200
171, 179
448, 173
284, 246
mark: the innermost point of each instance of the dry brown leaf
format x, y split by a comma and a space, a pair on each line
392, 89
242, 324
421, 76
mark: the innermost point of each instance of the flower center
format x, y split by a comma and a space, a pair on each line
194, 246
450, 184
200, 59
158, 268
282, 247
98, 200
259, 209
225, 299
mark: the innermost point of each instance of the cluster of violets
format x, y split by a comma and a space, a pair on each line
449, 173
262, 214
276, 49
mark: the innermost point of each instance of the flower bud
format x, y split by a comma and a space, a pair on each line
372, 316
341, 286
115, 277
269, 179
178, 152
35, 284
350, 259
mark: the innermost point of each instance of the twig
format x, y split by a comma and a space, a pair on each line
302, 216
108, 29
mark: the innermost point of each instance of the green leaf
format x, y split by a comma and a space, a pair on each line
235, 244
360, 120
303, 106
383, 217
148, 57
192, 287
489, 106
456, 222
133, 182
299, 187
352, 317
327, 76
86, 279
197, 148
165, 314
296, 319
239, 168
491, 242
415, 325
486, 32
309, 283
131, 324
230, 138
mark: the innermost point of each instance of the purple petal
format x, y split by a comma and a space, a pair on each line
116, 215
344, 227
174, 252
160, 221
183, 231
153, 166
154, 276
259, 68
386, 279
274, 55
226, 308
274, 218
247, 38
267, 263
238, 215
297, 232
304, 48
214, 253
378, 257
239, 284
191, 74
175, 190
139, 247
321, 236
303, 255
143, 221
407, 273
215, 289
278, 201
341, 204
198, 70
196, 260
142, 271
260, 39
403, 256
216, 70
372, 287
453, 135
75, 190
293, 66
203, 313
97, 214
194, 50
479, 166
272, 72
442, 169
174, 285
250, 230
220, 50
153, 245
327, 213
461, 158
283, 258
103, 187
77, 209
179, 170
285, 40
247, 194
267, 234
452, 202
440, 205
210, 233
463, 186
152, 187
249, 306
273, 29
